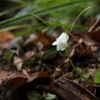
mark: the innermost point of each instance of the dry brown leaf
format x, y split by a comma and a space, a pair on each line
29, 54
87, 39
24, 71
31, 38
6, 36
43, 74
4, 45
90, 72
18, 62
44, 39
95, 36
43, 78
13, 43
18, 82
6, 76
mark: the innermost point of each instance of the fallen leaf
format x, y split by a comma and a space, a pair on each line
18, 62
4, 45
6, 36
44, 39
15, 42
26, 74
87, 39
43, 78
95, 36
29, 54
18, 82
6, 76
12, 43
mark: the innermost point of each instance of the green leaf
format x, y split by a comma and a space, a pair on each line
49, 53
62, 26
50, 96
15, 27
33, 95
41, 11
97, 77
9, 54
79, 70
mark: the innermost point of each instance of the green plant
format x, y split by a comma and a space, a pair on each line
77, 70
39, 8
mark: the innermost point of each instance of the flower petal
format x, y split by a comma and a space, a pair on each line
61, 41
55, 43
58, 47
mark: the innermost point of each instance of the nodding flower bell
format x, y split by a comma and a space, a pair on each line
61, 41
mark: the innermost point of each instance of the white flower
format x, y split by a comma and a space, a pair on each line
61, 41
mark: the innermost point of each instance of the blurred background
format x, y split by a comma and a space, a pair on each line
17, 15
19, 19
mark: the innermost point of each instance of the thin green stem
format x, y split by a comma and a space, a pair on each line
57, 20
88, 80
72, 25
41, 19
